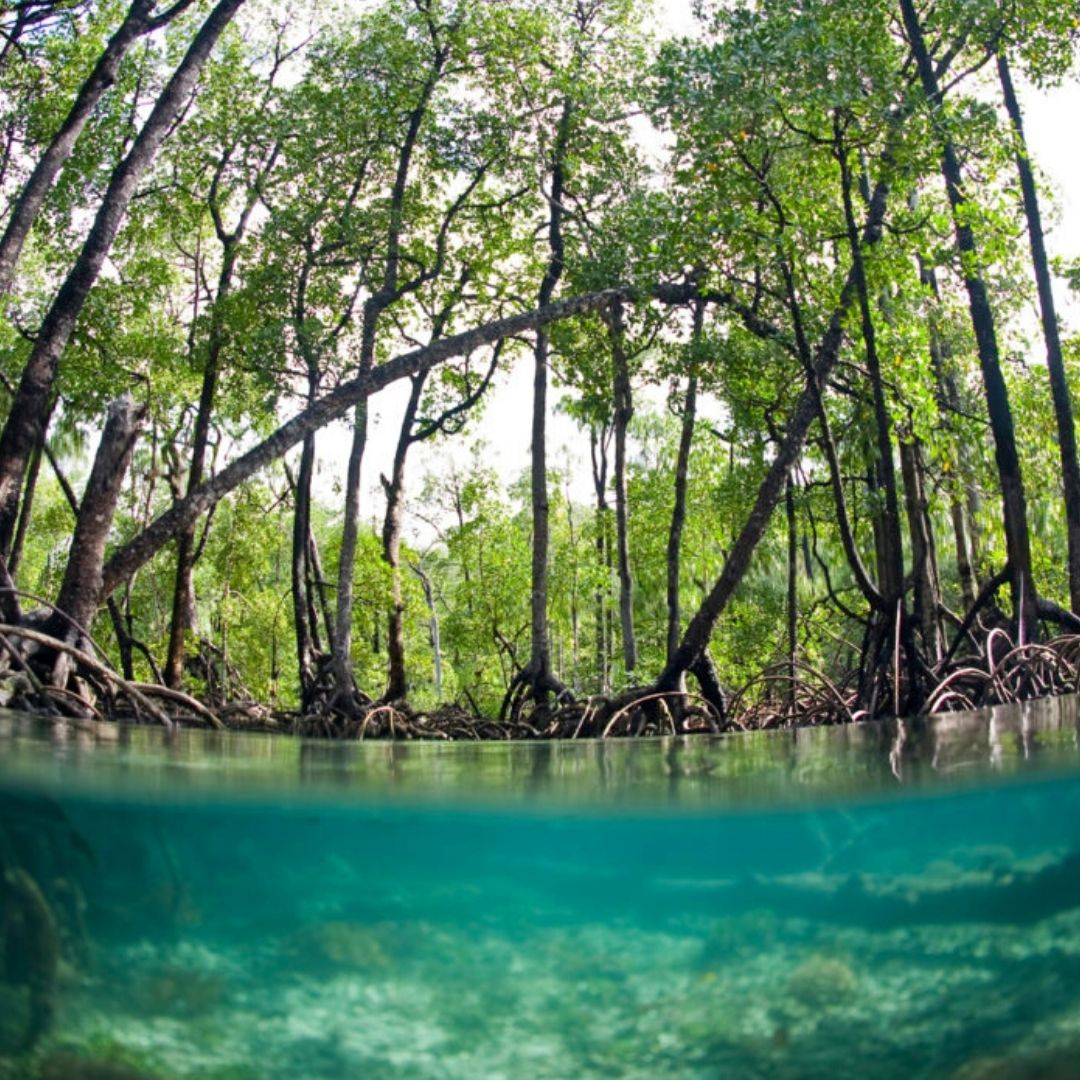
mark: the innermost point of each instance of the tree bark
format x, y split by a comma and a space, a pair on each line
1055, 364
305, 646
81, 590
792, 606
1014, 506
26, 509
598, 443
678, 510
397, 684
891, 579
183, 613
24, 425
623, 401
927, 603
433, 625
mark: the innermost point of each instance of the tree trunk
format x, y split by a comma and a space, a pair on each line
386, 293
623, 412
317, 586
350, 532
305, 647
137, 22
81, 590
25, 421
540, 657
433, 625
397, 684
575, 639
678, 511
538, 670
1014, 507
792, 611
927, 604
183, 607
598, 447
26, 510
1055, 364
949, 400
891, 554
696, 638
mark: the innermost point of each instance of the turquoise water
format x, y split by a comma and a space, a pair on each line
893, 901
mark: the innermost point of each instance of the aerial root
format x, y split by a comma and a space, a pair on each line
996, 672
1003, 673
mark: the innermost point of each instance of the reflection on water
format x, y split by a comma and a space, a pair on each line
772, 768
896, 901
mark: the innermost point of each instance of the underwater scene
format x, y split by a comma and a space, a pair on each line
894, 900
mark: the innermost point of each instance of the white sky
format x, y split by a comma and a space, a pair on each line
505, 423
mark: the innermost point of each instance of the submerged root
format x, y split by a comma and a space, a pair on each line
29, 949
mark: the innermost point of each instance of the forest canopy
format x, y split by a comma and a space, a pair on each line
778, 272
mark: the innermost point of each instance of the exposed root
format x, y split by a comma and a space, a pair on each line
178, 697
629, 710
995, 671
530, 693
1003, 673
86, 663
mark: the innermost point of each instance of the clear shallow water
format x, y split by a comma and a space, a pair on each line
848, 902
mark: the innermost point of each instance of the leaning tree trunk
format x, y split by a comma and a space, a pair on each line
1055, 364
24, 425
1014, 506
333, 406
138, 21
695, 640
81, 590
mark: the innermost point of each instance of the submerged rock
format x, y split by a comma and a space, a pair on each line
179, 992
821, 982
336, 946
